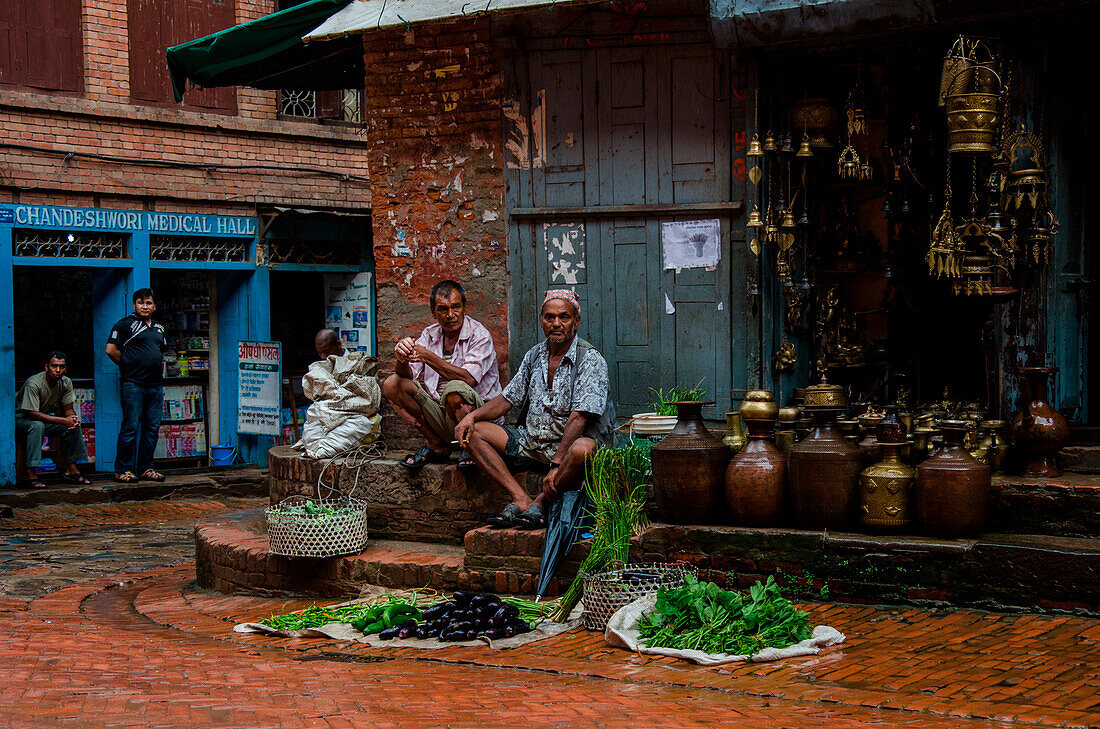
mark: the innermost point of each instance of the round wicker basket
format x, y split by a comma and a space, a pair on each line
340, 528
606, 592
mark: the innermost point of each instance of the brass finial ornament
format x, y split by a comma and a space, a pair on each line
754, 147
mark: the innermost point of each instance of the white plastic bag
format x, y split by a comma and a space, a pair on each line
346, 398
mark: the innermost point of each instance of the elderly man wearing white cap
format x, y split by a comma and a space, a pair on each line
564, 408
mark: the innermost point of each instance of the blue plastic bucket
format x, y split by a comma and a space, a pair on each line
222, 455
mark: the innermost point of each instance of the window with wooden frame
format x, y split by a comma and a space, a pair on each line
156, 24
41, 45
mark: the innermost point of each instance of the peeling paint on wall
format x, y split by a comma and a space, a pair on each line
565, 252
522, 136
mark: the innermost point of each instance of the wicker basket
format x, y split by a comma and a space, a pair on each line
293, 533
606, 592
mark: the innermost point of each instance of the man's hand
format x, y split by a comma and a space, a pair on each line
71, 421
463, 430
550, 483
406, 350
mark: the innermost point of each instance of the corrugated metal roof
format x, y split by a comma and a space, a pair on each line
366, 15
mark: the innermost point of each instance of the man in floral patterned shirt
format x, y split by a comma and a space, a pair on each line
561, 393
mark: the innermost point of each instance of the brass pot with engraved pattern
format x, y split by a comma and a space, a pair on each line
886, 492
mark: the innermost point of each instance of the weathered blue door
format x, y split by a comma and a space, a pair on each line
605, 145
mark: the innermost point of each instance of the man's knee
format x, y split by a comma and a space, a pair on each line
35, 428
581, 449
391, 385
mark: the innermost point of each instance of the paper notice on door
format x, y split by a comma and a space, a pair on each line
669, 307
691, 243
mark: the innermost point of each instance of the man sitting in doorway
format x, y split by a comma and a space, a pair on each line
41, 396
327, 342
457, 363
136, 345
562, 394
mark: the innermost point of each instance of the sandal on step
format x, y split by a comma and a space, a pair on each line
35, 484
506, 519
424, 456
75, 478
152, 475
531, 519
126, 477
465, 463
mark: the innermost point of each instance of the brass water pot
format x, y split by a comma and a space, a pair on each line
886, 492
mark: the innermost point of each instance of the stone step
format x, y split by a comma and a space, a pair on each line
242, 482
233, 555
1079, 459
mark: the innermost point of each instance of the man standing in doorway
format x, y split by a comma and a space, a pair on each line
44, 406
440, 377
136, 345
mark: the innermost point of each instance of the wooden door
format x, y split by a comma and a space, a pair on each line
605, 145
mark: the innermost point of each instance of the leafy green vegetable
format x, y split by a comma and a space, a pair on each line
663, 404
702, 616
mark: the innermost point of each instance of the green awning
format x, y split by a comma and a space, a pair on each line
268, 53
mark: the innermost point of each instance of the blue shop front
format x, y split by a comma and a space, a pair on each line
67, 275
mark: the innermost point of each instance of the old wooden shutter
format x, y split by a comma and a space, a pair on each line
40, 44
156, 24
603, 145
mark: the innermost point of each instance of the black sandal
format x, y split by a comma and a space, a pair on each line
506, 519
75, 478
531, 519
421, 458
465, 463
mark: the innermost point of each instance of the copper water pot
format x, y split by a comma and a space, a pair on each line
1039, 430
689, 467
952, 488
824, 472
756, 477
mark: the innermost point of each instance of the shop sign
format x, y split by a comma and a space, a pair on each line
130, 221
259, 387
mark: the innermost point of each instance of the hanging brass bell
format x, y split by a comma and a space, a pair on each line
754, 148
785, 145
804, 148
787, 221
755, 221
769, 142
805, 219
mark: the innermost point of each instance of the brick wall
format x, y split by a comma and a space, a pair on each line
101, 121
434, 149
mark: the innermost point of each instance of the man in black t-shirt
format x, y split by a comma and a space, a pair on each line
136, 344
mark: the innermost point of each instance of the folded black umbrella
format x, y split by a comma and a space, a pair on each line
565, 522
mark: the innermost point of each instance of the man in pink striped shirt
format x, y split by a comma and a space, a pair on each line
449, 371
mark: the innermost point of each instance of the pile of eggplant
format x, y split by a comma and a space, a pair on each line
466, 616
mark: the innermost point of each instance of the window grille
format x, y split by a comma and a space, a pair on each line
66, 244
346, 105
294, 102
187, 248
310, 252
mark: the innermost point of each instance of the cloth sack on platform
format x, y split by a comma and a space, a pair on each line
622, 633
346, 398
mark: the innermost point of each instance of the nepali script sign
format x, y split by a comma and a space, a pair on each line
259, 387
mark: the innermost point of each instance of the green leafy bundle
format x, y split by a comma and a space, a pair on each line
702, 616
663, 402
615, 481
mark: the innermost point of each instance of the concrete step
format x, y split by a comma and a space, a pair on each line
244, 482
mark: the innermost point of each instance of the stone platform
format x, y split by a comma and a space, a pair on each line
233, 556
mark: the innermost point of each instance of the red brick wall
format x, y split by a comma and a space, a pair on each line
435, 154
102, 121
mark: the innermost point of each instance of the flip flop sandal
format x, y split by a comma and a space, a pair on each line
126, 477
153, 475
421, 458
465, 463
35, 484
75, 478
506, 519
531, 519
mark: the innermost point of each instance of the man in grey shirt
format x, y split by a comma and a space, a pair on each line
36, 402
561, 391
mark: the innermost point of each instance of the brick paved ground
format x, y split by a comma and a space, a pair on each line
150, 649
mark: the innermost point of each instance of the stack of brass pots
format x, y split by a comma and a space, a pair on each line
886, 491
689, 467
756, 476
824, 467
869, 449
952, 488
993, 445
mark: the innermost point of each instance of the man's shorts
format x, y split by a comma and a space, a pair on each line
518, 456
436, 415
